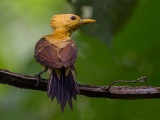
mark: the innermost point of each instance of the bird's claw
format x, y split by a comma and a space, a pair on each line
38, 77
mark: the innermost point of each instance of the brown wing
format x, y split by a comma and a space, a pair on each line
68, 55
50, 55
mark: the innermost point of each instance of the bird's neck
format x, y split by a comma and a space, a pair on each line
63, 31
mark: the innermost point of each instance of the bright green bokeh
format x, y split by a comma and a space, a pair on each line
135, 52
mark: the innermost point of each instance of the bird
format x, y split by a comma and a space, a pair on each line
57, 54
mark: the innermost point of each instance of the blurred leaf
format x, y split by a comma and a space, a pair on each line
110, 16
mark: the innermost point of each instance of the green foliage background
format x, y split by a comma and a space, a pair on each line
132, 51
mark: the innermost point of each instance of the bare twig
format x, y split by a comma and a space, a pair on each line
115, 92
141, 80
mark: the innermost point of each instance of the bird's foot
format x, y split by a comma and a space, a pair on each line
38, 77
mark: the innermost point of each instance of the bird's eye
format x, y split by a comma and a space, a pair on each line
73, 18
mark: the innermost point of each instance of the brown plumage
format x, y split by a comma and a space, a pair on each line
57, 52
51, 55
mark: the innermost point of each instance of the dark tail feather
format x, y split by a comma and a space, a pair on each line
63, 89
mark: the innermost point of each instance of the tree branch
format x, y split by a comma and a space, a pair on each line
115, 92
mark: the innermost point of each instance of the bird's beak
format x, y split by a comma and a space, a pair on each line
84, 21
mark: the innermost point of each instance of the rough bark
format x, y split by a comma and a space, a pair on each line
115, 92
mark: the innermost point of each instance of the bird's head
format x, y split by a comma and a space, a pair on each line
68, 23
